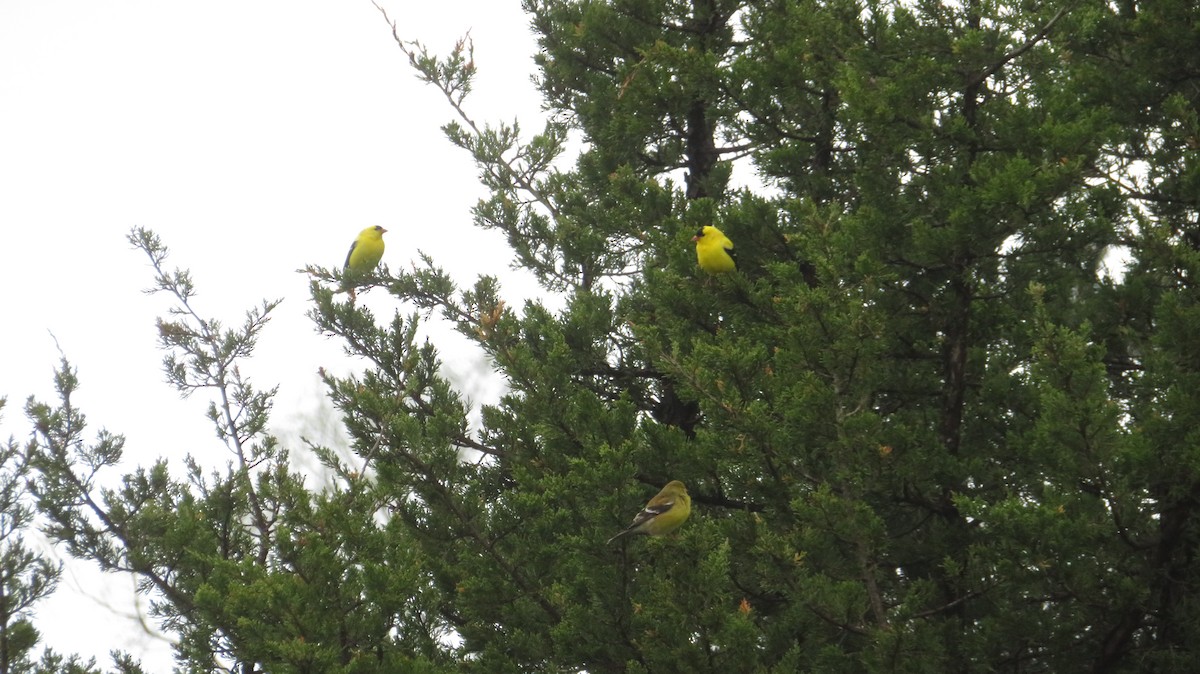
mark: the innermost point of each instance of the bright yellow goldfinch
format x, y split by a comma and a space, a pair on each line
714, 251
365, 254
663, 514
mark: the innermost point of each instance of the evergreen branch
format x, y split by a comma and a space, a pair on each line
840, 624
59, 430
418, 404
431, 481
454, 91
216, 360
874, 595
952, 604
1012, 54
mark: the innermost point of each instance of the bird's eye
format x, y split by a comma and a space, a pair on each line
378, 228
700, 232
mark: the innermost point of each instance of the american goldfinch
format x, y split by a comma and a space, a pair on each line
714, 250
365, 254
663, 514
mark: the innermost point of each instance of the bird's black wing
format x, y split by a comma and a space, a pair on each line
652, 511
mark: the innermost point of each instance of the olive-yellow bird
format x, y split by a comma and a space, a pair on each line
714, 251
365, 254
663, 514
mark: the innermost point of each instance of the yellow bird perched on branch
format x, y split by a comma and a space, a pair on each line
663, 514
365, 254
714, 251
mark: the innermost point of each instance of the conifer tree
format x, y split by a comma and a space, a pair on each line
913, 451
942, 418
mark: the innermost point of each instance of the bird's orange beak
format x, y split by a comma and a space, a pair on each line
382, 230
696, 238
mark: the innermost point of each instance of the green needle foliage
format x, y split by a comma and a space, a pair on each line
945, 417
27, 577
248, 567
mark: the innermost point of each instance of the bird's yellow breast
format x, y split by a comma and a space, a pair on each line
367, 250
714, 251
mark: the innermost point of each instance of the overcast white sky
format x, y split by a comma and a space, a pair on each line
254, 136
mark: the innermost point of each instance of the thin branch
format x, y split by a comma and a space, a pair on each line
1018, 51
448, 90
